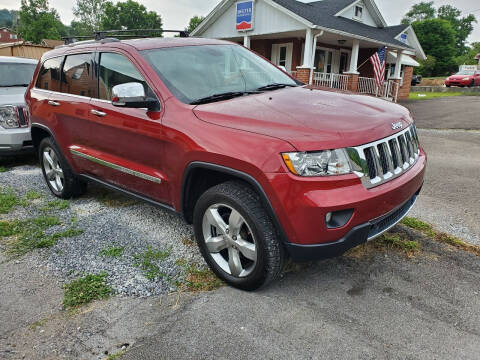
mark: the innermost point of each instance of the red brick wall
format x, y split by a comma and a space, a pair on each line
404, 90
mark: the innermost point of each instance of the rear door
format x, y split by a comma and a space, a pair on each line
124, 145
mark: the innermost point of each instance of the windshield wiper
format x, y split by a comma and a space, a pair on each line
15, 85
275, 86
222, 96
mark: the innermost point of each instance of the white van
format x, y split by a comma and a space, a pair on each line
15, 76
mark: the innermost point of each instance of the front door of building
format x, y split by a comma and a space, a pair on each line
323, 61
282, 55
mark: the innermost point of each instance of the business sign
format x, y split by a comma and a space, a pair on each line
244, 15
403, 38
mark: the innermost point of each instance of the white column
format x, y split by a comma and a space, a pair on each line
354, 59
246, 41
398, 66
307, 54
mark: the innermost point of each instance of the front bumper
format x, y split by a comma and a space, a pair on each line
458, 83
14, 141
358, 235
301, 206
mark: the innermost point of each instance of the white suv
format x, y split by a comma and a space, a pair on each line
15, 76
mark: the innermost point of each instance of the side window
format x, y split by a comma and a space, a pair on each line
49, 75
116, 69
77, 75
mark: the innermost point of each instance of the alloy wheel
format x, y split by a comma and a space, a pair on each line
229, 240
53, 170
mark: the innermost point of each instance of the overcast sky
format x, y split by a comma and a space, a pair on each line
176, 14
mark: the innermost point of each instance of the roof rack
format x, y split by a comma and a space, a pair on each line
115, 35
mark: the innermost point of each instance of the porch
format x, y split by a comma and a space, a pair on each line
329, 60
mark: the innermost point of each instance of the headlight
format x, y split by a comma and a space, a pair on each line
466, 79
9, 117
320, 163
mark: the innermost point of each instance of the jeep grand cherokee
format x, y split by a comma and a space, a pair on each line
264, 167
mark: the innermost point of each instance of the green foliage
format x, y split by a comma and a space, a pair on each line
33, 195
146, 262
89, 14
3, 169
194, 22
129, 15
37, 21
56, 205
427, 67
201, 279
469, 57
86, 289
113, 251
398, 242
8, 200
419, 12
438, 40
30, 234
463, 26
434, 95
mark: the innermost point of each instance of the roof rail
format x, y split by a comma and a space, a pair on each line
115, 35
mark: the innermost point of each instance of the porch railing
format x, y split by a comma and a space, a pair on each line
334, 81
388, 90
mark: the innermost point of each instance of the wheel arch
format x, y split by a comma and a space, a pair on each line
39, 132
200, 176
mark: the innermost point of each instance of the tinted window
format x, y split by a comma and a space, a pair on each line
116, 69
77, 75
49, 76
15, 74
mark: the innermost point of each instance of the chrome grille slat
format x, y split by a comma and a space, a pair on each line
383, 160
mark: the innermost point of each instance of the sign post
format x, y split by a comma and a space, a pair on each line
245, 15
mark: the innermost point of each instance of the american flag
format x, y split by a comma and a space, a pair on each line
378, 62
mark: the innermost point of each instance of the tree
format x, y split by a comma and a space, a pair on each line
419, 12
37, 21
438, 40
89, 15
469, 57
463, 26
427, 67
129, 15
7, 18
194, 22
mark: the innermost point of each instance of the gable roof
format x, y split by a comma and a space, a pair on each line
322, 13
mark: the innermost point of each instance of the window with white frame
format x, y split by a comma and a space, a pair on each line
13, 36
358, 12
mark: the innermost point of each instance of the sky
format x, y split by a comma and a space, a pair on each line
176, 13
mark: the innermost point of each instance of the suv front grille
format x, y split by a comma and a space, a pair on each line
384, 160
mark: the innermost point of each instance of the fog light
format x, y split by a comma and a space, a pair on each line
337, 219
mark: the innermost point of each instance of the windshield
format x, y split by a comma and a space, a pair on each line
15, 74
466, 72
196, 72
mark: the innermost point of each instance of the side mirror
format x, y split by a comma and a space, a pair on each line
132, 95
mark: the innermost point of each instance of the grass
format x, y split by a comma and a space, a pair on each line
3, 169
442, 237
113, 252
86, 289
434, 95
8, 200
116, 355
24, 236
55, 205
33, 195
146, 262
201, 280
38, 324
399, 242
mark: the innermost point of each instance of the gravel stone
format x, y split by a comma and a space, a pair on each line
133, 225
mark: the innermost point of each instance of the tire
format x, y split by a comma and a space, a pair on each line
257, 232
59, 176
472, 84
448, 85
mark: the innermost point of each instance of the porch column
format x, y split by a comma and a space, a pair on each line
303, 72
246, 41
398, 66
354, 60
353, 74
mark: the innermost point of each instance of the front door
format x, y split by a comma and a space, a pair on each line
282, 55
123, 146
323, 61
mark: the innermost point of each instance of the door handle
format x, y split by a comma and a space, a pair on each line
53, 103
98, 113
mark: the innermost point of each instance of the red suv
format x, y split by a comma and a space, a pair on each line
264, 167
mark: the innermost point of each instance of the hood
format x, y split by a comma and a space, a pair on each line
309, 119
459, 77
12, 95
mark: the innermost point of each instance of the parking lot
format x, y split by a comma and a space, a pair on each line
374, 302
